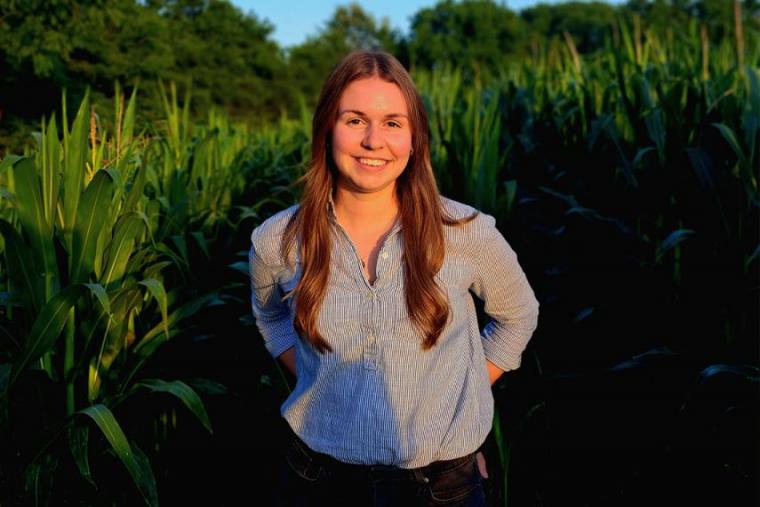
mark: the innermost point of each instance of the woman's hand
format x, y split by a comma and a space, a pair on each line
288, 358
481, 461
494, 372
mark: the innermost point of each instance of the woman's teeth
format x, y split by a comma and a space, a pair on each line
372, 162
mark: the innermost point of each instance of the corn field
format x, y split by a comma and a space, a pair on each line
626, 182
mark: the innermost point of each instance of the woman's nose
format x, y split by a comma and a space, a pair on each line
372, 138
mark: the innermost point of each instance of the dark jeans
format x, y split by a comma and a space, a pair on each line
308, 478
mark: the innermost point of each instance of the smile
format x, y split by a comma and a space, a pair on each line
372, 162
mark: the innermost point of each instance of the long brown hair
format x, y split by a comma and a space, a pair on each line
420, 208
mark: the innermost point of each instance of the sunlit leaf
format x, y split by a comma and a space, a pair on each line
137, 466
185, 394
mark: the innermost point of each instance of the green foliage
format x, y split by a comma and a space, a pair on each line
229, 61
588, 23
618, 152
233, 60
66, 44
469, 35
46, 47
349, 28
92, 304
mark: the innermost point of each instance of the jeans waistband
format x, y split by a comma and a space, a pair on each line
382, 471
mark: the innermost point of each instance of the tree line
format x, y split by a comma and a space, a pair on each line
228, 59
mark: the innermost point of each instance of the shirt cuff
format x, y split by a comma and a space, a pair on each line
498, 355
280, 339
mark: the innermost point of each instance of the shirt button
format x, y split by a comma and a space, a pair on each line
384, 255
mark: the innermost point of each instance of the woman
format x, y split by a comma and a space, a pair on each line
362, 290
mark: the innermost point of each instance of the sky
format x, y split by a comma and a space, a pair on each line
294, 20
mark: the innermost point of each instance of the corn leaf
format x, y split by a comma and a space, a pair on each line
746, 371
9, 162
115, 336
91, 216
22, 268
672, 240
751, 117
135, 461
129, 119
78, 437
156, 288
128, 231
186, 395
38, 480
730, 137
157, 335
100, 293
47, 327
75, 153
202, 243
32, 217
136, 192
702, 164
50, 168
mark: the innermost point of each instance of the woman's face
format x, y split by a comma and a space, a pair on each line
372, 137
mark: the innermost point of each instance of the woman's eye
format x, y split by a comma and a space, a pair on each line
354, 121
394, 124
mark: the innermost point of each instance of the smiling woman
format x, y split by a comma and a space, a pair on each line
363, 291
372, 139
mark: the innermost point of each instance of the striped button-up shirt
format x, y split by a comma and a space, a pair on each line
378, 398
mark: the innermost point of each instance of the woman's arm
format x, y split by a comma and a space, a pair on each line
500, 282
494, 372
288, 358
270, 311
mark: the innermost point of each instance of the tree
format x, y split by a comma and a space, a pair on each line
228, 55
49, 46
349, 28
474, 33
52, 45
587, 23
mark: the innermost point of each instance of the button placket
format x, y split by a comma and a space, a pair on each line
357, 258
370, 353
370, 348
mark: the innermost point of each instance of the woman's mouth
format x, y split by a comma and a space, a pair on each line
374, 163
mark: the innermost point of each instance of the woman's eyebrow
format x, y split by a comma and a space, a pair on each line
360, 113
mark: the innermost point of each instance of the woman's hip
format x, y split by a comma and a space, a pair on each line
312, 478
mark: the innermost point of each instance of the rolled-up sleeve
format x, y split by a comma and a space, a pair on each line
272, 314
508, 297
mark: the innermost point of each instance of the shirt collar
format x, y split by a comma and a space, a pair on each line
331, 209
333, 218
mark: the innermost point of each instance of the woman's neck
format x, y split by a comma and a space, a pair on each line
366, 211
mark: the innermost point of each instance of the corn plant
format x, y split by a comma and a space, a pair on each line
468, 149
90, 306
641, 159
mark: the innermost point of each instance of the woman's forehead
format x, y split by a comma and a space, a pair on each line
373, 96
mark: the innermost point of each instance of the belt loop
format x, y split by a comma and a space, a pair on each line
315, 460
